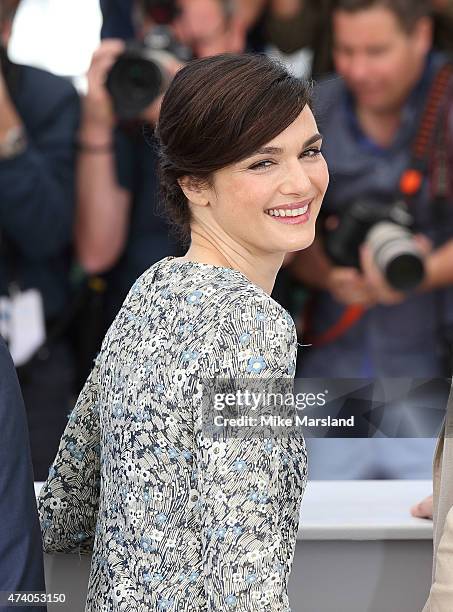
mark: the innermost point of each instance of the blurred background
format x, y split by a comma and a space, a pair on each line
79, 214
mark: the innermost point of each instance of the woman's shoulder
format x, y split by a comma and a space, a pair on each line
214, 295
224, 288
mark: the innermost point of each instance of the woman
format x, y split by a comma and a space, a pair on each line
180, 520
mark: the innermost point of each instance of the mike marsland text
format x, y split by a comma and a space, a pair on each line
266, 420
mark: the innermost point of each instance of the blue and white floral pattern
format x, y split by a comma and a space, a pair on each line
176, 520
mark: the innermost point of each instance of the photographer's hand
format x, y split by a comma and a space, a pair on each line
348, 286
98, 114
313, 268
384, 293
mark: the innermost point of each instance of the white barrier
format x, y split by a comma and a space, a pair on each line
358, 550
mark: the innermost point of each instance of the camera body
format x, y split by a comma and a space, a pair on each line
139, 75
388, 229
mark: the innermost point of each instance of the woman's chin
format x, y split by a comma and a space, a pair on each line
302, 242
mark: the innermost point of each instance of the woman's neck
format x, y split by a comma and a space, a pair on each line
258, 271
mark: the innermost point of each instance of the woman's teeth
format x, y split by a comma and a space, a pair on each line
279, 212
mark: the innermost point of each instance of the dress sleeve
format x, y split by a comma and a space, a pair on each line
249, 499
68, 500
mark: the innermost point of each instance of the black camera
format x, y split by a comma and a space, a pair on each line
388, 229
139, 75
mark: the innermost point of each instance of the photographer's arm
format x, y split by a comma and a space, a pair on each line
313, 268
102, 204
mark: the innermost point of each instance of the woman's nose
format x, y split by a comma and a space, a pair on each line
295, 180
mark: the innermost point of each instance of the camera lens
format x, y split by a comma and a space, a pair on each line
134, 82
396, 255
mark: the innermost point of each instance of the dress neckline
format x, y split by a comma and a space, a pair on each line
172, 258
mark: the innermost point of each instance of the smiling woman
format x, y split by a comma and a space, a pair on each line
180, 517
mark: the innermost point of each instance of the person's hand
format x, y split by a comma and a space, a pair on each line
423, 509
98, 107
383, 292
348, 286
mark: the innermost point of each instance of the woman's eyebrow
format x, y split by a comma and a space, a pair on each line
278, 150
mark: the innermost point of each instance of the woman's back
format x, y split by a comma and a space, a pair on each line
181, 521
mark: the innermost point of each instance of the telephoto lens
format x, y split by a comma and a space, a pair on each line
136, 80
397, 255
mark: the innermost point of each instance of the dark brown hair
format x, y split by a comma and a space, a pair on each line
408, 12
217, 111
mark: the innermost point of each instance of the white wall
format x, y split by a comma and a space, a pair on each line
57, 35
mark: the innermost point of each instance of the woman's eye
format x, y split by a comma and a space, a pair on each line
260, 164
312, 152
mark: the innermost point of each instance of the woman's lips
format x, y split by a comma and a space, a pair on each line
292, 220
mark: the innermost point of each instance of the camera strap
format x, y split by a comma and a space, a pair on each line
426, 158
430, 133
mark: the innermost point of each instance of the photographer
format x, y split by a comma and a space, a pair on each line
119, 229
38, 123
370, 317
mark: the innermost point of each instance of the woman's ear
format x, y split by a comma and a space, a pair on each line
194, 190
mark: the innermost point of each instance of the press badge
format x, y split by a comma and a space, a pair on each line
22, 324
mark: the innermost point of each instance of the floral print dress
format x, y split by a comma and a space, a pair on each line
177, 520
